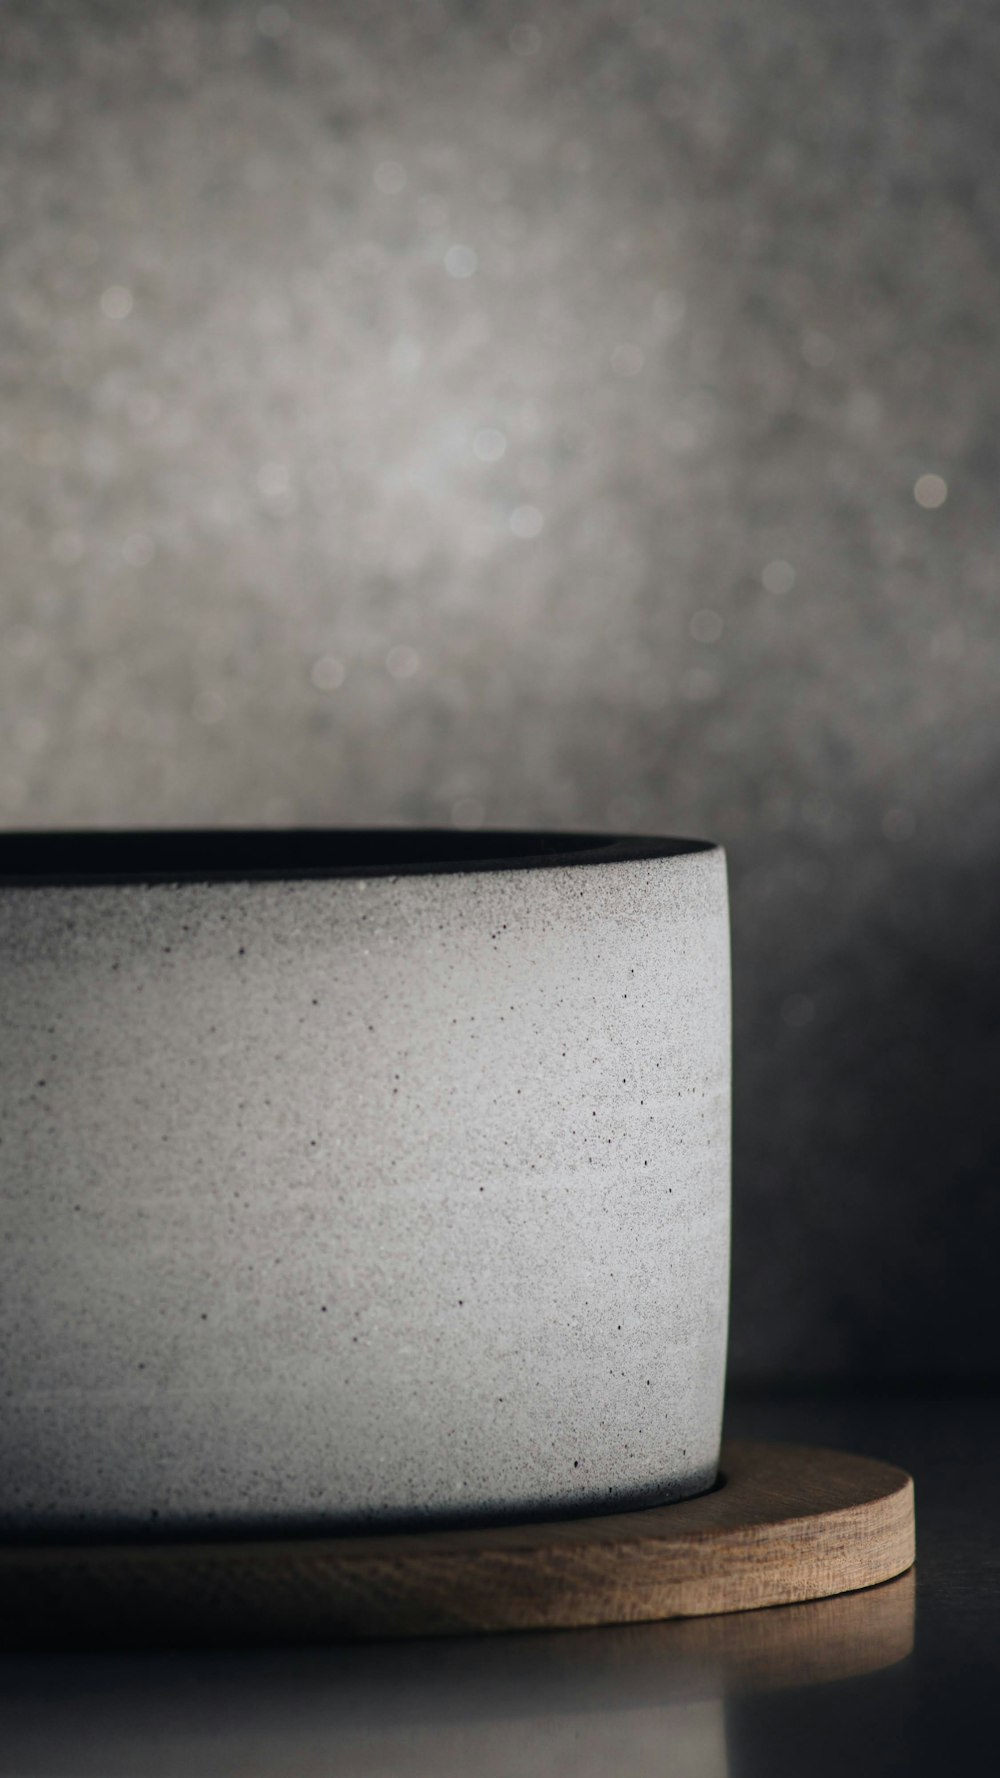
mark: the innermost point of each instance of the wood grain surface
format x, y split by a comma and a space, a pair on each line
787, 1523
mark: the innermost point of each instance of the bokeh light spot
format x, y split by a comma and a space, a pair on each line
778, 577
389, 178
460, 261
526, 521
402, 661
489, 444
930, 491
116, 302
328, 673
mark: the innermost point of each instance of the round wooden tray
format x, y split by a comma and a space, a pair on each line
786, 1523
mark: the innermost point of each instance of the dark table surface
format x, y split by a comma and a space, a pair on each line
904, 1678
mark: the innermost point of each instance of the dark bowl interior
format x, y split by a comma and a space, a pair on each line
202, 854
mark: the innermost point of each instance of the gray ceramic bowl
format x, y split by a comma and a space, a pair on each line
362, 1177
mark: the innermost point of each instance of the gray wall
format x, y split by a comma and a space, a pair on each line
424, 412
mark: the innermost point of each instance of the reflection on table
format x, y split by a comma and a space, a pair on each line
649, 1699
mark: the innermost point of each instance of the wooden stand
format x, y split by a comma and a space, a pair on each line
787, 1523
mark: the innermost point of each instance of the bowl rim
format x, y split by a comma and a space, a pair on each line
117, 856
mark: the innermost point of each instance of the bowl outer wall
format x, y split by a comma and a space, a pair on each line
341, 1201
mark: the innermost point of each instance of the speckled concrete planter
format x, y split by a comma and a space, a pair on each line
359, 1177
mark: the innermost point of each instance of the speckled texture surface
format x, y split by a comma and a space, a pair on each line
272, 468
364, 1196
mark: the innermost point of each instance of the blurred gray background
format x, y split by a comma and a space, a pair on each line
561, 415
